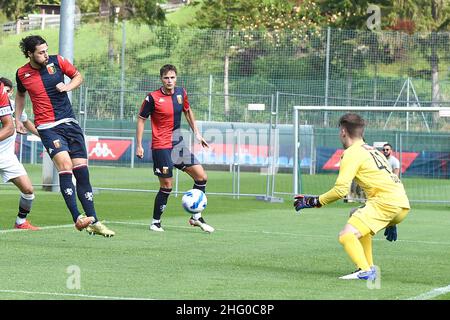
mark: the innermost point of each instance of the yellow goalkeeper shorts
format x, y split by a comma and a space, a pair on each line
378, 216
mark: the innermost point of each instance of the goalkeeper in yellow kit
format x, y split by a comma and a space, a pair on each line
387, 203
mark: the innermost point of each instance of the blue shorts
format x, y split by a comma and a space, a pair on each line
165, 159
64, 137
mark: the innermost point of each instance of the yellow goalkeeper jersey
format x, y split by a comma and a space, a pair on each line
372, 172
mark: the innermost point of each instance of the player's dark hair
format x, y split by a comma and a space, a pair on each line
353, 123
6, 82
166, 68
29, 44
387, 145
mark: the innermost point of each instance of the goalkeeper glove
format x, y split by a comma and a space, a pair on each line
304, 201
391, 233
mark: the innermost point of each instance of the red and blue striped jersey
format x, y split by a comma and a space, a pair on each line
165, 115
49, 105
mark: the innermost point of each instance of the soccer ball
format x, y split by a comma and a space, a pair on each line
194, 201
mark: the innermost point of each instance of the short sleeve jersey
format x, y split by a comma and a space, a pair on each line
49, 105
165, 115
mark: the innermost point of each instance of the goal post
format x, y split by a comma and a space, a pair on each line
420, 137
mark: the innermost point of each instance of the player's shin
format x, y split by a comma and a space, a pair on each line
355, 250
25, 203
67, 190
366, 242
160, 203
84, 190
200, 185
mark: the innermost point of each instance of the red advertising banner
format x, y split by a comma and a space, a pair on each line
334, 161
105, 149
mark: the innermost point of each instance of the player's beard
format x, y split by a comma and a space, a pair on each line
41, 64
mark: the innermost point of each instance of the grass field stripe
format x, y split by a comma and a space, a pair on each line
280, 233
41, 228
432, 293
73, 295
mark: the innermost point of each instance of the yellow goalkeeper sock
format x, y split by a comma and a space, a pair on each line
355, 250
366, 243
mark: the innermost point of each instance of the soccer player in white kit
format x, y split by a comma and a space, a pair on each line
11, 169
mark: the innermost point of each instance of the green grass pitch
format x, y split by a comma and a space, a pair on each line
259, 251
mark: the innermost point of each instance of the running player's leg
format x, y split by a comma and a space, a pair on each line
64, 166
200, 178
55, 142
163, 169
84, 187
78, 155
366, 241
25, 202
349, 238
165, 188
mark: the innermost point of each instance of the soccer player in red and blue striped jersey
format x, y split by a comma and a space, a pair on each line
43, 78
165, 107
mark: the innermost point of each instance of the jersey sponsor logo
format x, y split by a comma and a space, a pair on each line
161, 100
27, 75
51, 68
4, 111
57, 144
179, 98
104, 149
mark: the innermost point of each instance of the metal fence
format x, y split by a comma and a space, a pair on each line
229, 77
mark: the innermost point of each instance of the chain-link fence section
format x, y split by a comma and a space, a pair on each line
242, 77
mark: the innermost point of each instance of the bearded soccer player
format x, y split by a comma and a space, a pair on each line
386, 206
165, 106
12, 170
43, 78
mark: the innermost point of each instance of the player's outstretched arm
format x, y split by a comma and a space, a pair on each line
303, 201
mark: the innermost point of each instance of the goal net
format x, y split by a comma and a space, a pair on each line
420, 139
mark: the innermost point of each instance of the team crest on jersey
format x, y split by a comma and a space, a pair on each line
51, 68
179, 98
57, 143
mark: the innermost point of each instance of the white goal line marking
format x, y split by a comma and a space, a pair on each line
79, 295
432, 293
280, 233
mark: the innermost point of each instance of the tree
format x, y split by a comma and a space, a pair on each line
249, 24
14, 9
224, 15
431, 18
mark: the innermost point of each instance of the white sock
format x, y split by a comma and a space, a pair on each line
156, 221
20, 220
197, 216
